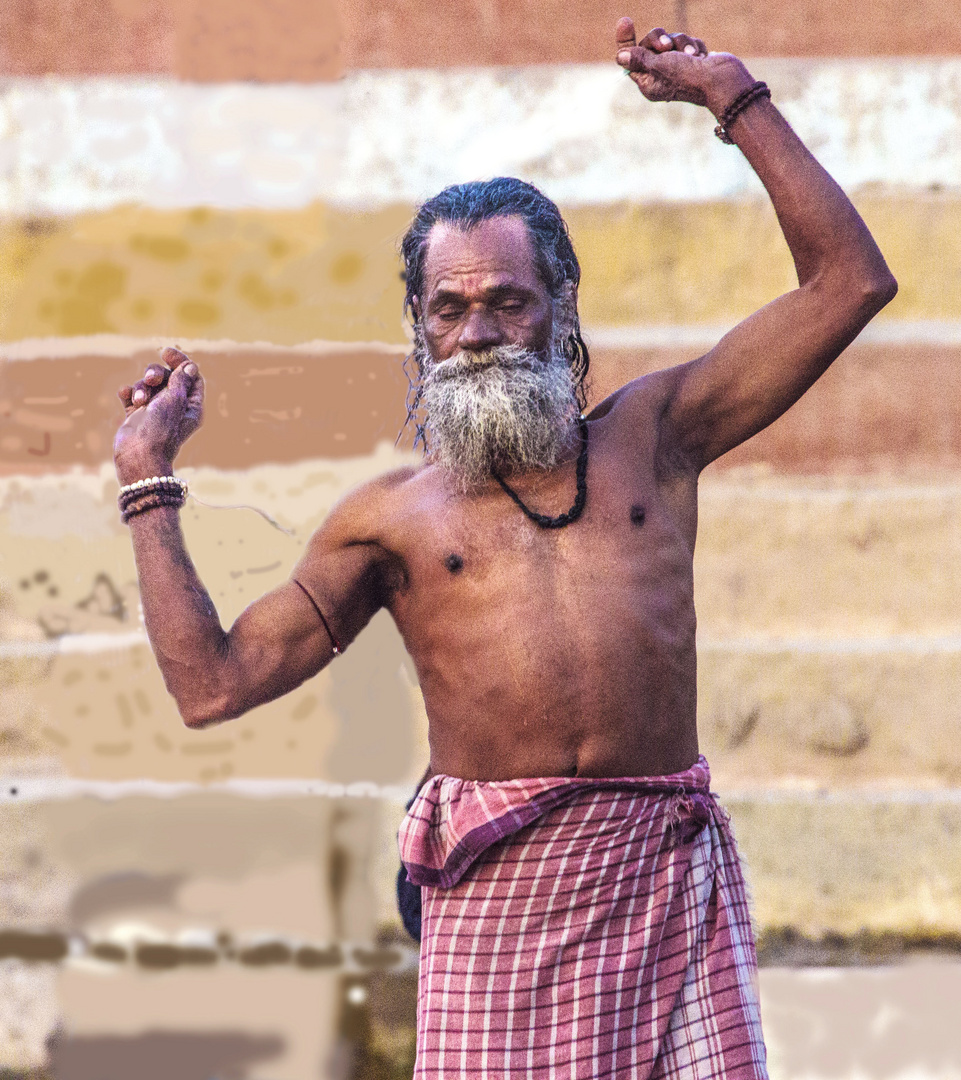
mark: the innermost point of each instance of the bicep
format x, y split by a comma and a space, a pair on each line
276, 643
290, 634
755, 373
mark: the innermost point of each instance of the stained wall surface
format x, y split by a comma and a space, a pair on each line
235, 179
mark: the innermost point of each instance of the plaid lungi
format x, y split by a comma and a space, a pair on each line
582, 928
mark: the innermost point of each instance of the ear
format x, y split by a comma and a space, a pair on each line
565, 308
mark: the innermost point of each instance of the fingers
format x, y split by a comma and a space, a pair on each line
657, 40
155, 378
173, 356
624, 33
632, 56
184, 376
689, 45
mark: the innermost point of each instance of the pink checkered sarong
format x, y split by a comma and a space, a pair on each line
582, 928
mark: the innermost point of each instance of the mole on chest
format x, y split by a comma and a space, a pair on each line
454, 563
638, 515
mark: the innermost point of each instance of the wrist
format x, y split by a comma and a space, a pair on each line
732, 80
129, 470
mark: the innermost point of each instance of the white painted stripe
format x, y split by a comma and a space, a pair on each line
582, 132
33, 789
943, 332
755, 645
812, 792
56, 348
895, 644
39, 789
72, 644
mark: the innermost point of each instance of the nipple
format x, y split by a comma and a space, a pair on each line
454, 563
637, 515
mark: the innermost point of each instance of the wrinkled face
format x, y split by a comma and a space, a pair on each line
482, 289
497, 385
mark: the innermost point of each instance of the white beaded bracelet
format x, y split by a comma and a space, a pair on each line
144, 486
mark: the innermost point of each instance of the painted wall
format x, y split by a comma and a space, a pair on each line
236, 179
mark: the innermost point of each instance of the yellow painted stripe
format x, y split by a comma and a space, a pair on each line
324, 273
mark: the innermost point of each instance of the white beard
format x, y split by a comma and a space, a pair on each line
508, 408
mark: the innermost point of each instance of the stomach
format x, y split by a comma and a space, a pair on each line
609, 695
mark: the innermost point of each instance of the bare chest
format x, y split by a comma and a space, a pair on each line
482, 552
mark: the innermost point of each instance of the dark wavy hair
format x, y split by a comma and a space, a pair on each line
467, 205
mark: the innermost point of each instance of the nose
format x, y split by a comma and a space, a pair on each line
479, 331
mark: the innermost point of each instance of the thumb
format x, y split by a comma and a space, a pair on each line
624, 34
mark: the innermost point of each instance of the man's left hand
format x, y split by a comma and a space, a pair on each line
677, 67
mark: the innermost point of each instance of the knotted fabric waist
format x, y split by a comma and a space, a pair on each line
452, 822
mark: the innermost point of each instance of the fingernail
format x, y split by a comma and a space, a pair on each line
624, 56
690, 50
138, 395
190, 369
665, 40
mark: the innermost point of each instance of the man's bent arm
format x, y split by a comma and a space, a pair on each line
279, 640
213, 675
767, 362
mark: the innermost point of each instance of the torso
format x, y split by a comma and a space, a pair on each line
552, 652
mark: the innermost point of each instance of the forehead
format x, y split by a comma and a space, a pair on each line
494, 253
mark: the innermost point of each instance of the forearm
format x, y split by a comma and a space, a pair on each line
182, 623
828, 240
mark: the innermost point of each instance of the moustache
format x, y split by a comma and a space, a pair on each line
465, 365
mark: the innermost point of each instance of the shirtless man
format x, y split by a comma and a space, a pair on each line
560, 649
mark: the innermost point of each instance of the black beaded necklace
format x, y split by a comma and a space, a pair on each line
544, 520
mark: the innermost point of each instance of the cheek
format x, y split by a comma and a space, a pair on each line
541, 329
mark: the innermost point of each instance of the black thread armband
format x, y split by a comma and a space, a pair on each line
333, 641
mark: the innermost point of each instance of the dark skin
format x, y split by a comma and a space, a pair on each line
540, 653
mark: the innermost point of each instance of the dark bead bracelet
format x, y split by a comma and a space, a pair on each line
151, 501
738, 105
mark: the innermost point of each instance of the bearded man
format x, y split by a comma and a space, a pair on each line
584, 910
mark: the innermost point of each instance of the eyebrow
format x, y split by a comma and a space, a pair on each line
496, 292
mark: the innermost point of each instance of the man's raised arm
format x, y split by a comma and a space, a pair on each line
278, 641
766, 363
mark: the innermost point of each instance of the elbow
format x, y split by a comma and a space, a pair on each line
880, 289
200, 713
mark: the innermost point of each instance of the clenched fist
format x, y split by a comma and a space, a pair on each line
163, 410
676, 67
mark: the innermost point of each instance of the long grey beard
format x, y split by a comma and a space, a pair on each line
508, 409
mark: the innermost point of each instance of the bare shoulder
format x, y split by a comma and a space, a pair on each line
349, 562
359, 516
648, 395
637, 415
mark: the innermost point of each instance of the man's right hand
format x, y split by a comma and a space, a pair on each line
676, 67
163, 410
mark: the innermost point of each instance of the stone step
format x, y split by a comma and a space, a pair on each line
843, 558
889, 406
822, 712
879, 865
831, 558
829, 639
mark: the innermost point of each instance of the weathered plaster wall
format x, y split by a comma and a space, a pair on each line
235, 178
